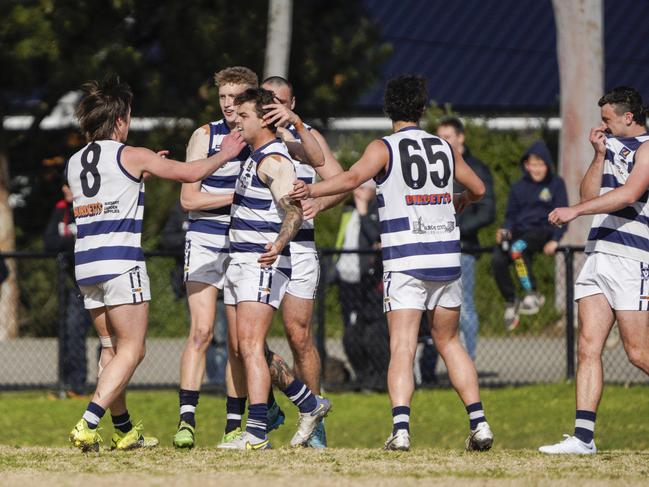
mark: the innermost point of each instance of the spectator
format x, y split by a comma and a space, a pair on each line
173, 239
360, 283
526, 226
475, 217
59, 236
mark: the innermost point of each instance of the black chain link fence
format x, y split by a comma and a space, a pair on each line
46, 343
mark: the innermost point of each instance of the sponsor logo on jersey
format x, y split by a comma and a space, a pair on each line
429, 199
91, 209
625, 151
111, 207
420, 227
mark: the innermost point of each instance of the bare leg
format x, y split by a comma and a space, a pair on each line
202, 308
404, 327
253, 322
634, 331
297, 313
235, 379
102, 325
129, 322
461, 370
596, 319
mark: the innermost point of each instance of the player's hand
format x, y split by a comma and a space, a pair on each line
280, 115
232, 144
503, 234
597, 138
460, 202
561, 216
300, 191
310, 208
270, 256
163, 153
550, 247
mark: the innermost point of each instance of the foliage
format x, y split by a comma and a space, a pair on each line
167, 51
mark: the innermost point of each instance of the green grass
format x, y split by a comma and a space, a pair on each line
523, 417
36, 451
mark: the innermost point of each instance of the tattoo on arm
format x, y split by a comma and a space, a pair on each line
280, 373
292, 221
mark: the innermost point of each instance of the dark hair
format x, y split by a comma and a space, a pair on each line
454, 122
260, 97
279, 81
405, 98
102, 104
625, 99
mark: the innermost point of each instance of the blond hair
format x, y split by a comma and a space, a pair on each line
238, 75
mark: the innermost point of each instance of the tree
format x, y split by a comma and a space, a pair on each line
167, 51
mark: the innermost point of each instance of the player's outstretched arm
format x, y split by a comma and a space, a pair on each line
372, 162
137, 160
592, 181
191, 196
279, 173
330, 169
475, 188
630, 192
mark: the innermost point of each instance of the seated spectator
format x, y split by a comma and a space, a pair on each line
526, 231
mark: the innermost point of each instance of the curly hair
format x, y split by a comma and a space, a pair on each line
260, 97
102, 104
405, 98
238, 75
626, 99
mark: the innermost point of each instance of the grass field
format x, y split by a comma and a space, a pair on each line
35, 437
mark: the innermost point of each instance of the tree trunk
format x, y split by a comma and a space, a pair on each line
581, 72
278, 38
9, 288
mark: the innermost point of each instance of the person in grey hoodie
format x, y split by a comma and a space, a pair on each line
526, 231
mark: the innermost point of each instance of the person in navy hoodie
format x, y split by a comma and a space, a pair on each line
526, 230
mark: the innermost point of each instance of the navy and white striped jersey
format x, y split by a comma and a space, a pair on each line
209, 228
304, 241
256, 220
419, 235
626, 231
108, 208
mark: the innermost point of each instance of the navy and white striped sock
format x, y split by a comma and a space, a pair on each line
585, 425
188, 402
476, 415
93, 415
400, 419
257, 421
122, 422
234, 408
301, 396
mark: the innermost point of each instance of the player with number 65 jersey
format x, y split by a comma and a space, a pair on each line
420, 243
107, 184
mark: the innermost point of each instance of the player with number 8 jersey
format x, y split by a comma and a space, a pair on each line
420, 243
106, 178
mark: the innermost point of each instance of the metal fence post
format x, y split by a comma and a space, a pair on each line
568, 254
321, 311
62, 298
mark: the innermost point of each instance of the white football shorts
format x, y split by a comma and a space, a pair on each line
402, 291
250, 282
129, 288
624, 282
305, 275
204, 265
